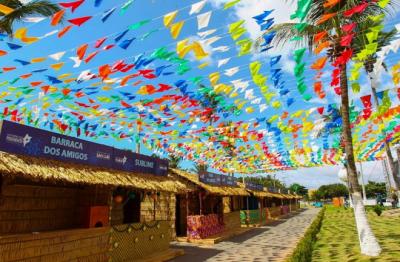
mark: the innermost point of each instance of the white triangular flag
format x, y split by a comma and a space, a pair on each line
263, 107
203, 20
49, 34
57, 56
239, 84
249, 94
395, 45
221, 48
196, 8
256, 101
84, 75
206, 33
223, 62
76, 60
211, 40
33, 19
231, 71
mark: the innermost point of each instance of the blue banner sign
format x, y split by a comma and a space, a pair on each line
25, 140
228, 181
254, 186
210, 178
272, 190
217, 179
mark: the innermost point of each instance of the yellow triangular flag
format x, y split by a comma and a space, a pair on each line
38, 60
176, 29
5, 9
57, 66
169, 18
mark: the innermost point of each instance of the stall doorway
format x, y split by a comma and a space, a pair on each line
180, 215
132, 210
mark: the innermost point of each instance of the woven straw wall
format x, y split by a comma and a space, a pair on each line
86, 245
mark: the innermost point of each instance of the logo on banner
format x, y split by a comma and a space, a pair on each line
102, 155
21, 140
121, 160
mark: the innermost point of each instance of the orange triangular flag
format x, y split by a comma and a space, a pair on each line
319, 64
64, 31
57, 17
325, 17
319, 36
57, 66
321, 47
38, 59
80, 52
331, 3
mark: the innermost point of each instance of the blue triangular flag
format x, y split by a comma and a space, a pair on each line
275, 60
22, 62
14, 46
126, 43
54, 80
290, 101
260, 18
39, 70
121, 35
97, 3
379, 95
107, 14
265, 26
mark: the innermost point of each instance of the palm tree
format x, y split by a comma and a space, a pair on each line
42, 7
200, 168
384, 39
333, 28
174, 161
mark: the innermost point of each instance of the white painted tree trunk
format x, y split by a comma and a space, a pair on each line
368, 243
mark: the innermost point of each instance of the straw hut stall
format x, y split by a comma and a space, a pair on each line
254, 212
76, 200
213, 208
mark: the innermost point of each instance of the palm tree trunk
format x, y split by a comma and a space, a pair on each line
368, 243
395, 173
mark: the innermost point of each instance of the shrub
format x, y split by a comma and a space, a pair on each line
378, 209
303, 250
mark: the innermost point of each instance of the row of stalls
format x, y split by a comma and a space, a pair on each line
61, 200
217, 206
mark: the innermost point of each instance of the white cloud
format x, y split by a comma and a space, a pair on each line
317, 176
246, 9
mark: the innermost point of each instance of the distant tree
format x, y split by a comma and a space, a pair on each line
332, 190
174, 161
374, 188
298, 189
316, 196
199, 168
267, 181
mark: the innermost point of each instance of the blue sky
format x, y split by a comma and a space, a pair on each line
154, 10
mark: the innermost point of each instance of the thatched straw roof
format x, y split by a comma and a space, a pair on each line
51, 171
216, 190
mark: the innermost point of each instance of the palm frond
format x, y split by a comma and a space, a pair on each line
42, 7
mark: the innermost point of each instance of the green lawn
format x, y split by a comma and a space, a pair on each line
338, 241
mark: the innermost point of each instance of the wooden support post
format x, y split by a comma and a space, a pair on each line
201, 203
154, 208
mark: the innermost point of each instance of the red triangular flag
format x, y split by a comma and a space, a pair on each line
100, 42
366, 100
72, 5
79, 21
320, 110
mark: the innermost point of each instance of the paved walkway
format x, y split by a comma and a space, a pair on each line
268, 243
